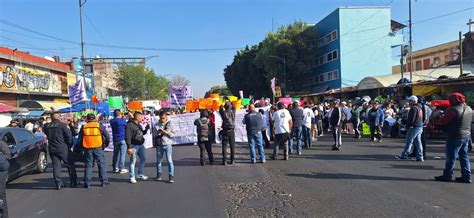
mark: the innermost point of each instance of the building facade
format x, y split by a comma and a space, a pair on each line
355, 42
33, 82
432, 57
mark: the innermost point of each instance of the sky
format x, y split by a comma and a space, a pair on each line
186, 25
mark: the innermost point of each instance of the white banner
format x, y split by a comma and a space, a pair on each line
184, 130
148, 136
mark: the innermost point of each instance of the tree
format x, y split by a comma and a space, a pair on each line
221, 90
178, 80
254, 67
139, 82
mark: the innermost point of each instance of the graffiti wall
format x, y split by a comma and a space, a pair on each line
29, 78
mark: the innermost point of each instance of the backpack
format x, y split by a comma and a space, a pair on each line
203, 130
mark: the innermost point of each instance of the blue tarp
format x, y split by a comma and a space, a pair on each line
102, 108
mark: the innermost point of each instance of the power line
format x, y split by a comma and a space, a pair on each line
444, 15
368, 18
95, 28
163, 49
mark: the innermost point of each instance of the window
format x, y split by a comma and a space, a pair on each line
436, 61
332, 36
426, 64
22, 135
329, 76
321, 78
334, 54
335, 74
327, 57
418, 65
8, 138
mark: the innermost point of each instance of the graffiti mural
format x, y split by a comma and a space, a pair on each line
7, 77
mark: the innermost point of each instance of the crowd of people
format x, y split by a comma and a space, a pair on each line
291, 128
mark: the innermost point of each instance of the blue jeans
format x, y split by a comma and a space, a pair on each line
256, 140
296, 132
414, 137
160, 151
98, 155
307, 136
120, 148
457, 148
138, 152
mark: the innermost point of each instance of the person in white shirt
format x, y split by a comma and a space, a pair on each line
308, 116
283, 124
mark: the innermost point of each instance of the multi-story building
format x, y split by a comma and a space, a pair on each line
33, 82
432, 57
355, 42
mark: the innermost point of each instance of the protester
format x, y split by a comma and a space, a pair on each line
314, 123
60, 143
346, 112
164, 142
93, 137
118, 125
135, 146
283, 124
298, 118
253, 122
204, 128
355, 119
13, 123
227, 113
308, 116
29, 126
426, 120
5, 155
335, 120
375, 119
457, 122
266, 123
414, 124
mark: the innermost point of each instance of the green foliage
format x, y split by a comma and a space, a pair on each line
139, 82
254, 67
221, 90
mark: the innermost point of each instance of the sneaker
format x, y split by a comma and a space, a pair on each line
142, 177
419, 160
335, 148
463, 180
380, 141
286, 158
272, 157
116, 171
400, 157
263, 161
171, 179
299, 153
158, 177
232, 162
443, 179
123, 171
203, 163
133, 180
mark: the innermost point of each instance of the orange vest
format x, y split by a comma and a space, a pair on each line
92, 137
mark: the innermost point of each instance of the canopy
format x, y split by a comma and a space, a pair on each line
102, 108
29, 115
6, 108
47, 106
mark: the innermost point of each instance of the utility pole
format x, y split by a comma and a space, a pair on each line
81, 4
460, 54
402, 56
411, 41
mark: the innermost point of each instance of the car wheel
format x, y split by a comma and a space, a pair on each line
41, 163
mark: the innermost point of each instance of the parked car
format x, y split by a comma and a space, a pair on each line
28, 151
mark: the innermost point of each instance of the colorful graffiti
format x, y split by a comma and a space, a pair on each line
7, 76
33, 79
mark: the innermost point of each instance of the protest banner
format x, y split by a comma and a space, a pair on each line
245, 101
148, 135
116, 102
179, 94
135, 106
285, 101
184, 130
77, 92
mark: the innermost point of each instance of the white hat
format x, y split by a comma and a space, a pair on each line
413, 98
344, 102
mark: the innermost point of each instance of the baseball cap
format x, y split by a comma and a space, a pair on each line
413, 98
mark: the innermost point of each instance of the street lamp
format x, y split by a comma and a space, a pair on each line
284, 69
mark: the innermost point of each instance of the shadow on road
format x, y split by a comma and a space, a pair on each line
351, 177
37, 184
336, 156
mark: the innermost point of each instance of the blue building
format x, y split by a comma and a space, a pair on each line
355, 42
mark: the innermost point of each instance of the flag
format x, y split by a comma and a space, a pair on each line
77, 92
273, 84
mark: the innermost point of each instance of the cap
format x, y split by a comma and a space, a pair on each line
343, 102
413, 98
90, 116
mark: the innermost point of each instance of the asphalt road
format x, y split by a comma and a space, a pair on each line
362, 180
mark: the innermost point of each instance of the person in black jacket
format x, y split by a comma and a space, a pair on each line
227, 113
60, 144
335, 120
414, 124
134, 139
5, 155
203, 125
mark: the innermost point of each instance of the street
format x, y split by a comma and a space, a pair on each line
362, 180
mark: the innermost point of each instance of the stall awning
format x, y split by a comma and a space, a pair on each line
47, 106
29, 115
